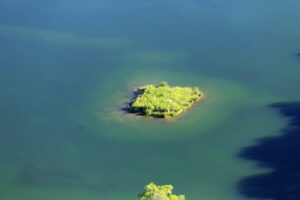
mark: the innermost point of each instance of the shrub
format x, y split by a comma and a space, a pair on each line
153, 192
164, 101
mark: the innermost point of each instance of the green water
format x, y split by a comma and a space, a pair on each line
67, 68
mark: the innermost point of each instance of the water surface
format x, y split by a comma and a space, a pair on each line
67, 68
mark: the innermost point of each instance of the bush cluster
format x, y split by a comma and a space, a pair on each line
153, 192
164, 101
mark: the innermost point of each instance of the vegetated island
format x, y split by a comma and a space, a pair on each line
164, 192
163, 101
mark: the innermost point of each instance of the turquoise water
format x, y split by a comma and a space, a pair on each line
67, 68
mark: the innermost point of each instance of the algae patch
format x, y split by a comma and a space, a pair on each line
163, 101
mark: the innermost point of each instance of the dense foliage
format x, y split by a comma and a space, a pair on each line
164, 101
153, 192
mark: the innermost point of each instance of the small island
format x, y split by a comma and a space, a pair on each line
163, 101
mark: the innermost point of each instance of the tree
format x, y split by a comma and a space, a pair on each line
164, 192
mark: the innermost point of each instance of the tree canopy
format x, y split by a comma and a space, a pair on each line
164, 192
163, 101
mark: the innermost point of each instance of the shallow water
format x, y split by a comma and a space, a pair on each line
67, 68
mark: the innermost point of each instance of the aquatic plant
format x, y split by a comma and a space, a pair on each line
163, 101
164, 192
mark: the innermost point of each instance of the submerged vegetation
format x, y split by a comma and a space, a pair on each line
153, 192
163, 101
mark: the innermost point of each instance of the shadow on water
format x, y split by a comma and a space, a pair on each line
282, 155
49, 175
297, 55
125, 108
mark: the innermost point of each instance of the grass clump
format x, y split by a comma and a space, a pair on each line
163, 101
164, 192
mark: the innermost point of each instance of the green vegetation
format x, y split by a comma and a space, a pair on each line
164, 101
153, 192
